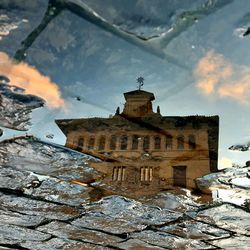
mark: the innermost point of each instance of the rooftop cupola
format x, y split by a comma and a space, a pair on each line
138, 102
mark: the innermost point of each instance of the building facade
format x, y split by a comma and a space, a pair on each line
141, 148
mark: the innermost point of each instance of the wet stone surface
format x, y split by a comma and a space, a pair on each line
108, 224
58, 243
31, 154
68, 231
228, 217
175, 200
15, 180
52, 189
11, 234
169, 241
137, 244
29, 206
12, 218
16, 107
43, 187
229, 185
192, 229
235, 242
118, 214
39, 210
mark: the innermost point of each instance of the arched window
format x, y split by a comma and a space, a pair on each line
135, 142
180, 142
80, 143
101, 143
191, 142
113, 142
146, 141
124, 142
157, 142
169, 142
91, 143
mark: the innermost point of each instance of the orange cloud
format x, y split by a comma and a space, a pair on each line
219, 77
31, 80
225, 162
239, 90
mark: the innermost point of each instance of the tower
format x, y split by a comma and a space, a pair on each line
138, 103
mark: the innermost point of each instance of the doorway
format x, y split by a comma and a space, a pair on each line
179, 176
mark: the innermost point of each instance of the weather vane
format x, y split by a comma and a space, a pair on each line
140, 80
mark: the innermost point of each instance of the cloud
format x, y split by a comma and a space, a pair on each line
217, 76
30, 79
225, 162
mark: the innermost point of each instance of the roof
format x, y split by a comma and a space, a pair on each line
121, 122
139, 94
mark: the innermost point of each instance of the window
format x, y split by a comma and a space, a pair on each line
191, 142
180, 142
169, 142
91, 143
113, 142
124, 142
135, 142
146, 174
80, 143
146, 140
119, 174
101, 143
157, 142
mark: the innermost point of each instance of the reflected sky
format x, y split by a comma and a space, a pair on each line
92, 65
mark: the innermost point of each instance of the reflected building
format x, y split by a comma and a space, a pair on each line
141, 148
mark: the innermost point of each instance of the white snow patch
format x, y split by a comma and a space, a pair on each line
241, 182
40, 177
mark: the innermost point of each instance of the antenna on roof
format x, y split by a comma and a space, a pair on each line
140, 81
